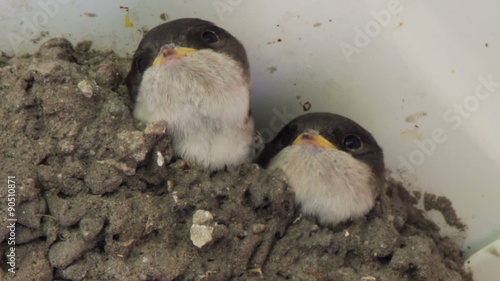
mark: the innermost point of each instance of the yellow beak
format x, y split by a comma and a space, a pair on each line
170, 53
313, 138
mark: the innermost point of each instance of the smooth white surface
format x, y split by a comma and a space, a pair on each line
484, 264
422, 64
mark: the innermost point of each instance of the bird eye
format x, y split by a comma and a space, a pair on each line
209, 37
140, 64
352, 142
287, 139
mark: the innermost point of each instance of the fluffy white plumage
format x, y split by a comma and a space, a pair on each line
204, 97
328, 183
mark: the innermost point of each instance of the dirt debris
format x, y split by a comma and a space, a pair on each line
101, 197
445, 207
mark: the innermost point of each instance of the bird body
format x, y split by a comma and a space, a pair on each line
208, 121
202, 91
334, 177
328, 183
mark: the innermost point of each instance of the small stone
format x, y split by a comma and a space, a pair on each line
87, 88
170, 186
132, 144
202, 217
258, 228
156, 128
160, 160
201, 235
179, 164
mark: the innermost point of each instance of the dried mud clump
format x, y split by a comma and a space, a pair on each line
100, 196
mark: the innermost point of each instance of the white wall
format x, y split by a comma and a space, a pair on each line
418, 79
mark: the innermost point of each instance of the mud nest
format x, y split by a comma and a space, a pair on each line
100, 196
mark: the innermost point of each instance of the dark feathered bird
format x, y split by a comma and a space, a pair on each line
195, 75
334, 166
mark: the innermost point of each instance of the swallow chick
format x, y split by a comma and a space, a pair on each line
334, 166
195, 75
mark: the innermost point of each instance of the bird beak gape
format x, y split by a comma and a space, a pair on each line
168, 53
313, 138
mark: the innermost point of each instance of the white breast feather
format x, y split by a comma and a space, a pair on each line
205, 100
328, 183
